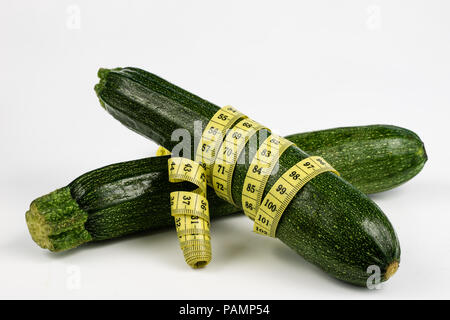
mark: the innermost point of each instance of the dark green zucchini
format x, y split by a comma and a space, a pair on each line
109, 202
129, 197
372, 158
329, 222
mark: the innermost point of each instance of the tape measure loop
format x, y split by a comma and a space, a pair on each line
259, 171
222, 142
190, 210
213, 136
228, 154
284, 190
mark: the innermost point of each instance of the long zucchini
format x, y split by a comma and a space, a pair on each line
130, 197
329, 222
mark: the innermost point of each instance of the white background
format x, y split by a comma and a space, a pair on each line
346, 62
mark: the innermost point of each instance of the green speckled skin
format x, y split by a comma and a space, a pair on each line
329, 222
132, 196
373, 158
110, 202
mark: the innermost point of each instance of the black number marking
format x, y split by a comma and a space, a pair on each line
281, 189
270, 205
251, 188
219, 186
294, 175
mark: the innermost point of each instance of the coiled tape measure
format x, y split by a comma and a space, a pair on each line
191, 212
228, 154
213, 136
216, 157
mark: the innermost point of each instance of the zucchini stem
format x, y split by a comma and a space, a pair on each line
56, 222
391, 270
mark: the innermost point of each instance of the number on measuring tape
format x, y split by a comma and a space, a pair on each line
190, 211
220, 146
212, 138
284, 190
228, 155
259, 171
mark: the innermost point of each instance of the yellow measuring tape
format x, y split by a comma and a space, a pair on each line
265, 212
284, 190
191, 211
259, 172
216, 157
213, 136
163, 152
228, 154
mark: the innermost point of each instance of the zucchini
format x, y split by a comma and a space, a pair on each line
109, 202
130, 197
329, 222
372, 158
